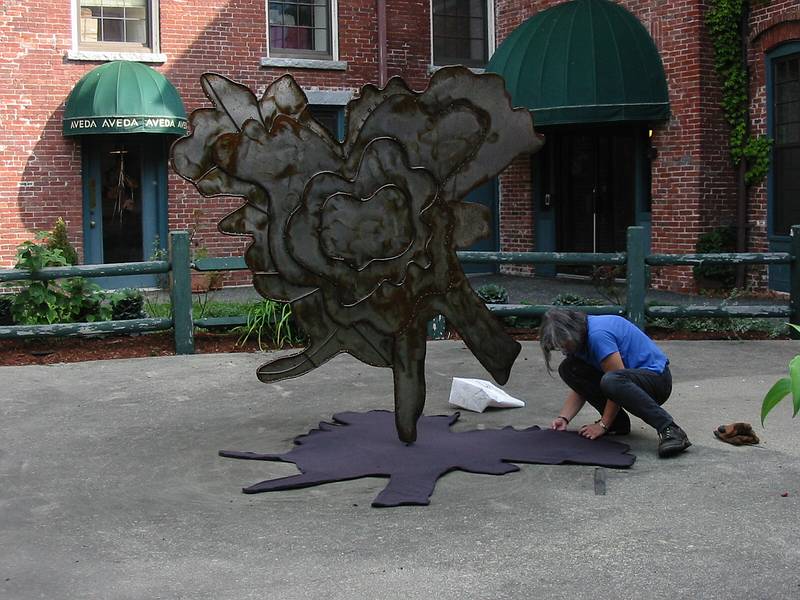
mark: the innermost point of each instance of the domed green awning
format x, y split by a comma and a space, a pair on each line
584, 61
124, 97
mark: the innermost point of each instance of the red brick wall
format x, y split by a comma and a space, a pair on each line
693, 185
40, 176
693, 182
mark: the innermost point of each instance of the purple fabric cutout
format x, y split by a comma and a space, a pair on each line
366, 445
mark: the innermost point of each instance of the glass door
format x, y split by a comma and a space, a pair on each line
594, 190
125, 203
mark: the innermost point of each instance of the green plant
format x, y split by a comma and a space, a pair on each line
717, 240
569, 299
53, 301
158, 253
491, 293
269, 320
783, 387
6, 302
57, 240
723, 19
127, 304
523, 322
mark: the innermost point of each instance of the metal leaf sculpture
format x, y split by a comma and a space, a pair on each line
361, 235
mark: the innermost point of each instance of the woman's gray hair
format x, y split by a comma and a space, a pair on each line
561, 329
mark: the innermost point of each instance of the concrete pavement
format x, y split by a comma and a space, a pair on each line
111, 488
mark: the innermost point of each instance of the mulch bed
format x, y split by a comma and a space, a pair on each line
66, 350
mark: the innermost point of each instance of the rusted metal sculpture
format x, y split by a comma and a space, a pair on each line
360, 235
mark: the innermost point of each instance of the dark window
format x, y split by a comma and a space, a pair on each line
300, 29
786, 150
460, 32
330, 116
104, 23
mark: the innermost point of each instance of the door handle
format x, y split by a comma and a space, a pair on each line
92, 224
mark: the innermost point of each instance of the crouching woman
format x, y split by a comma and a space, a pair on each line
611, 364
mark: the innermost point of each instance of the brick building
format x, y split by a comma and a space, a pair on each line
668, 170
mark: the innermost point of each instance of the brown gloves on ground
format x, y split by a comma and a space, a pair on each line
737, 434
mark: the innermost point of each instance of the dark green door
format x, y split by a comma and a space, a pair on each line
125, 202
585, 188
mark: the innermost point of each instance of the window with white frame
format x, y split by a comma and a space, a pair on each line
301, 29
462, 32
117, 25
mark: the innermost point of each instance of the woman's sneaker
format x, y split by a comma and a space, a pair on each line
672, 440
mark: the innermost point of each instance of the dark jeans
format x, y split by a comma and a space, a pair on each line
641, 392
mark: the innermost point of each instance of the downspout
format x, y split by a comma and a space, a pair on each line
383, 67
741, 181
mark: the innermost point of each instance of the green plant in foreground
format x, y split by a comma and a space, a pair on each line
53, 301
269, 320
783, 387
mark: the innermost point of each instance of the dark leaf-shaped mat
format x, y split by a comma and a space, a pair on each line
366, 445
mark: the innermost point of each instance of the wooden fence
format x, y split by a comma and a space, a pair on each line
178, 267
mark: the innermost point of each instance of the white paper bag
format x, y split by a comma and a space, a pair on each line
477, 394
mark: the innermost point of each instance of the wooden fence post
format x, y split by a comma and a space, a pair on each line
181, 292
635, 276
794, 280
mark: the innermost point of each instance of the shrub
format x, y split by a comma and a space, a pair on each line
719, 239
57, 240
127, 304
6, 302
569, 299
54, 301
491, 293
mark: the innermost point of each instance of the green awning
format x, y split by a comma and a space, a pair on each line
584, 61
124, 97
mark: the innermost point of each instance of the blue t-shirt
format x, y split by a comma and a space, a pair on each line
607, 334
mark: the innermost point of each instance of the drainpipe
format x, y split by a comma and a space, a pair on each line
383, 67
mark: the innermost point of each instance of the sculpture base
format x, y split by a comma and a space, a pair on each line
366, 445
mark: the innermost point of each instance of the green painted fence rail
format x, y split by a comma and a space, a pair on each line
85, 329
179, 269
107, 270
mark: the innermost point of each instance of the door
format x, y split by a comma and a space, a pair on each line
587, 189
125, 204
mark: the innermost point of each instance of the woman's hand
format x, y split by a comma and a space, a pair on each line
592, 431
559, 424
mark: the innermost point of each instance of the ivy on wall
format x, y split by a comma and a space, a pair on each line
723, 21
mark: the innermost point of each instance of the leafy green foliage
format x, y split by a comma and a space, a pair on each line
491, 293
271, 321
784, 387
6, 302
57, 240
569, 299
719, 239
723, 21
127, 304
59, 301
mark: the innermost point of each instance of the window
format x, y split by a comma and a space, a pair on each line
461, 32
331, 117
300, 29
117, 25
786, 149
